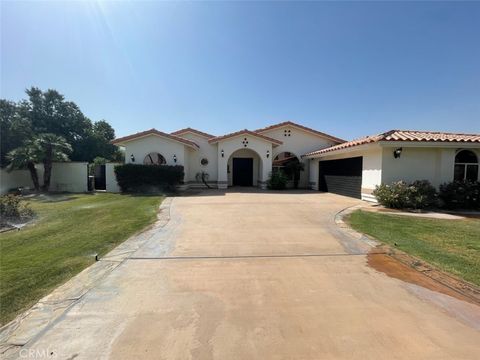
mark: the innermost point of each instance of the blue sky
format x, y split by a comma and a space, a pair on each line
345, 68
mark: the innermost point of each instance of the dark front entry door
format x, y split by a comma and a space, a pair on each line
242, 172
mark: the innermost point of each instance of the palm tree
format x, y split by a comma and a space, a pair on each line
51, 148
24, 157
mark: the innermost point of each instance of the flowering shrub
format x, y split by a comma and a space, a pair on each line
419, 194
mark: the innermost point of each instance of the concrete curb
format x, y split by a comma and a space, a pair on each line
348, 230
41, 316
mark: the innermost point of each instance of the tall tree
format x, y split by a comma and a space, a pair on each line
14, 130
51, 148
49, 112
25, 157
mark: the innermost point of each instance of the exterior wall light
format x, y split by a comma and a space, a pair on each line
223, 153
175, 158
132, 158
268, 154
397, 153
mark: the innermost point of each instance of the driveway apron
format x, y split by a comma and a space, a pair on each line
259, 275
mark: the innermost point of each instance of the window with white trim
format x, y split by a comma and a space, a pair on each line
466, 166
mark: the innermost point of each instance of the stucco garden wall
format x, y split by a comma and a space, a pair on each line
69, 177
14, 179
110, 178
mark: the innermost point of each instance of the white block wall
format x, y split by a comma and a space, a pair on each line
111, 180
68, 177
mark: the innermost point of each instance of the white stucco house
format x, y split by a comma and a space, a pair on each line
353, 168
242, 158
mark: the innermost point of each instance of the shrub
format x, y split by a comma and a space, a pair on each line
460, 195
11, 207
422, 195
393, 195
419, 194
277, 181
148, 178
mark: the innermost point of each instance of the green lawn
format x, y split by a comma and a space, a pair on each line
69, 230
451, 245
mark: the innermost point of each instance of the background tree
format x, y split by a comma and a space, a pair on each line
25, 157
51, 148
14, 130
49, 112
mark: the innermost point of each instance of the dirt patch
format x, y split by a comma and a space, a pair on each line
404, 267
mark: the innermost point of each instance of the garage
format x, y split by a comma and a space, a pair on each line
343, 177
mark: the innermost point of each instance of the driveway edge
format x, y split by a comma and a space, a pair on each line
456, 284
343, 226
41, 316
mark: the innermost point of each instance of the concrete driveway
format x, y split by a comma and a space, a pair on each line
258, 275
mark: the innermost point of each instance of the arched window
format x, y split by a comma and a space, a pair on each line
466, 166
154, 158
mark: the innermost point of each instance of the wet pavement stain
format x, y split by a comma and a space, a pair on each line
393, 268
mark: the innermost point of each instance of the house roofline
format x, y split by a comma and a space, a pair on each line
301, 127
193, 131
245, 131
142, 134
403, 137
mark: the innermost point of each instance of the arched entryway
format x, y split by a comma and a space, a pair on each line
291, 166
244, 168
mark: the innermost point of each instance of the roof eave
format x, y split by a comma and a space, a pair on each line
432, 143
361, 147
302, 128
218, 139
190, 144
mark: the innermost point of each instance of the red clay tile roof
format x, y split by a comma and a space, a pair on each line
290, 123
403, 135
121, 140
189, 129
248, 132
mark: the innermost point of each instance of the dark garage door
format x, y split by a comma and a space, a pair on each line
343, 177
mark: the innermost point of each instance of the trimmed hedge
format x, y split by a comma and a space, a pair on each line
148, 178
460, 195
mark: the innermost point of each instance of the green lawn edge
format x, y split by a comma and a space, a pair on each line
451, 245
63, 240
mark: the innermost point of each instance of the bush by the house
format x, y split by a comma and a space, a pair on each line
460, 195
13, 208
422, 195
277, 181
419, 194
148, 178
